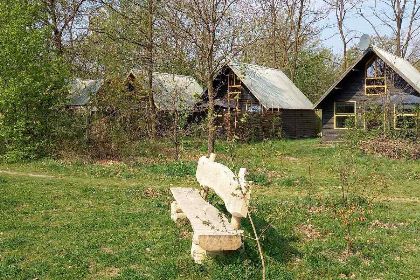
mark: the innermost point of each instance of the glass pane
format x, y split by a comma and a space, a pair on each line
407, 122
375, 82
375, 69
370, 71
254, 108
344, 121
407, 109
344, 108
375, 90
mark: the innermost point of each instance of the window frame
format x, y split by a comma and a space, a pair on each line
384, 86
396, 115
345, 114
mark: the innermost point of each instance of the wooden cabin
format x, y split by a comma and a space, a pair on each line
379, 84
261, 95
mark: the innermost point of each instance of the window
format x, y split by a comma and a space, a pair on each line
254, 108
406, 116
233, 80
344, 114
375, 81
373, 116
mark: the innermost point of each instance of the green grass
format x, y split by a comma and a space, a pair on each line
97, 221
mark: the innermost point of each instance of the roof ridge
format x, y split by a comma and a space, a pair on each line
172, 74
257, 65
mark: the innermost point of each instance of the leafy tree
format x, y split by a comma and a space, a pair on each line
316, 72
31, 81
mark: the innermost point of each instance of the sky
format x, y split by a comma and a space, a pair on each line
359, 25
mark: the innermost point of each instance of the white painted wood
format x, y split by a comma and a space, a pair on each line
230, 188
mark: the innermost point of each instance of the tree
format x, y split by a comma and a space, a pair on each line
288, 27
215, 29
401, 18
129, 29
62, 16
32, 78
316, 72
341, 9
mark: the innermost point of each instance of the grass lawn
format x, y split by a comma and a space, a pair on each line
63, 220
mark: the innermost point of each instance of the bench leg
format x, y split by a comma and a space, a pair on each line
197, 253
176, 212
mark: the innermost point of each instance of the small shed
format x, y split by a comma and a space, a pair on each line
82, 91
377, 83
262, 93
170, 91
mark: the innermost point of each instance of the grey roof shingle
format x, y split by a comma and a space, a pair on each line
81, 91
404, 68
173, 91
271, 87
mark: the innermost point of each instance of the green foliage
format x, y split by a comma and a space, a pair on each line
120, 119
31, 82
259, 179
176, 169
316, 72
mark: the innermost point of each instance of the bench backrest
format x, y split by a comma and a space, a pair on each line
230, 188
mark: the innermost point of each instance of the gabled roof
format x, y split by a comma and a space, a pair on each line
401, 66
404, 68
170, 90
271, 87
81, 91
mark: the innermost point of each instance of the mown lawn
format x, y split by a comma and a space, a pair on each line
63, 220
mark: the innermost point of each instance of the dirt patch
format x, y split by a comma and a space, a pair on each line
109, 272
26, 174
185, 234
109, 162
344, 276
107, 250
289, 158
316, 209
379, 224
391, 148
151, 193
309, 232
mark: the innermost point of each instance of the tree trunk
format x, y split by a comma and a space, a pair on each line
273, 13
399, 14
176, 134
57, 41
345, 61
150, 67
297, 41
210, 116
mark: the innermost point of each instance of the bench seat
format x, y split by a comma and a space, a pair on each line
212, 230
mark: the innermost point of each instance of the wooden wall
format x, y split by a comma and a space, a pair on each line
272, 124
352, 88
259, 125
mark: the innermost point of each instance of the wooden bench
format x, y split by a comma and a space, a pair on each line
212, 230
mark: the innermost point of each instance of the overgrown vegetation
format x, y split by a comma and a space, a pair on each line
32, 79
